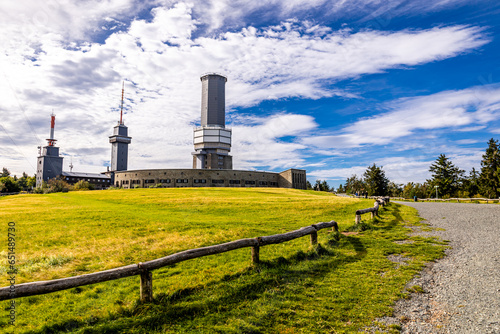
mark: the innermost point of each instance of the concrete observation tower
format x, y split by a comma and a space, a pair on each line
119, 143
212, 141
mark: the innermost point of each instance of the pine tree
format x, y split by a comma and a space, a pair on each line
490, 171
354, 185
375, 181
446, 176
5, 172
471, 184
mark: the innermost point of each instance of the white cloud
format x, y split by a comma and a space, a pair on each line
257, 141
450, 109
57, 66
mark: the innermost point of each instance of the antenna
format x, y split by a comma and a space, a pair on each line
121, 108
51, 141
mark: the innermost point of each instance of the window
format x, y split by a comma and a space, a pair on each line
273, 184
136, 182
262, 183
125, 182
200, 181
234, 181
249, 182
217, 181
149, 181
181, 181
165, 180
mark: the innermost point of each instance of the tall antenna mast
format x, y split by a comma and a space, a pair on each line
121, 109
51, 141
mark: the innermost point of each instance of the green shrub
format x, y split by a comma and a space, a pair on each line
83, 185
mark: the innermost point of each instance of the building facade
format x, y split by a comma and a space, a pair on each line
175, 178
99, 181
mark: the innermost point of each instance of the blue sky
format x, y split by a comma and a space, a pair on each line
328, 86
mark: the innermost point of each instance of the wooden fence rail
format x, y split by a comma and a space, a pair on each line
381, 201
144, 268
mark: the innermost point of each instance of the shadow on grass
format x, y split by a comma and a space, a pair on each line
217, 299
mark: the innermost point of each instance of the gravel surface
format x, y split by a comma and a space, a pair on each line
461, 291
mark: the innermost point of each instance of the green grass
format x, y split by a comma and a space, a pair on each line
337, 287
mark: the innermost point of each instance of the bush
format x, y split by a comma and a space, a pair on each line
9, 185
57, 185
83, 185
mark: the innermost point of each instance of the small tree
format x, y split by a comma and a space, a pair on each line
83, 185
446, 176
376, 182
395, 190
490, 170
8, 185
321, 186
308, 185
58, 185
340, 189
470, 185
5, 172
354, 185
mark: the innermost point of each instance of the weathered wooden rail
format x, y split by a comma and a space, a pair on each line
381, 201
144, 269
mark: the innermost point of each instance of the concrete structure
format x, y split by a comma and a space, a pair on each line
119, 147
212, 164
170, 178
119, 142
212, 141
49, 163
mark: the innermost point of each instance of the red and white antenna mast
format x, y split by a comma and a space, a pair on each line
51, 141
121, 108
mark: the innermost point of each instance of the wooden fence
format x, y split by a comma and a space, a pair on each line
144, 269
374, 211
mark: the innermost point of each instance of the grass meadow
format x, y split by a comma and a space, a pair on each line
336, 287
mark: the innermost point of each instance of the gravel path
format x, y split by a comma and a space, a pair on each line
462, 290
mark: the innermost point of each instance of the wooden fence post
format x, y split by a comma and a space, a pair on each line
357, 220
314, 238
373, 214
146, 286
255, 254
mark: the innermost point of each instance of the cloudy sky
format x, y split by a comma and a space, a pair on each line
331, 86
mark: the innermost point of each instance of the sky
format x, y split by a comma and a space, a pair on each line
329, 86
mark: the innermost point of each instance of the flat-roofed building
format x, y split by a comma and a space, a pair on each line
175, 178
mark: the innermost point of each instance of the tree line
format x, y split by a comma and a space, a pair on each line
13, 184
446, 178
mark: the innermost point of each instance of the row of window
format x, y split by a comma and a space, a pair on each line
90, 180
247, 182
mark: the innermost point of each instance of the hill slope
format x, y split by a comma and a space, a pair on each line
297, 288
